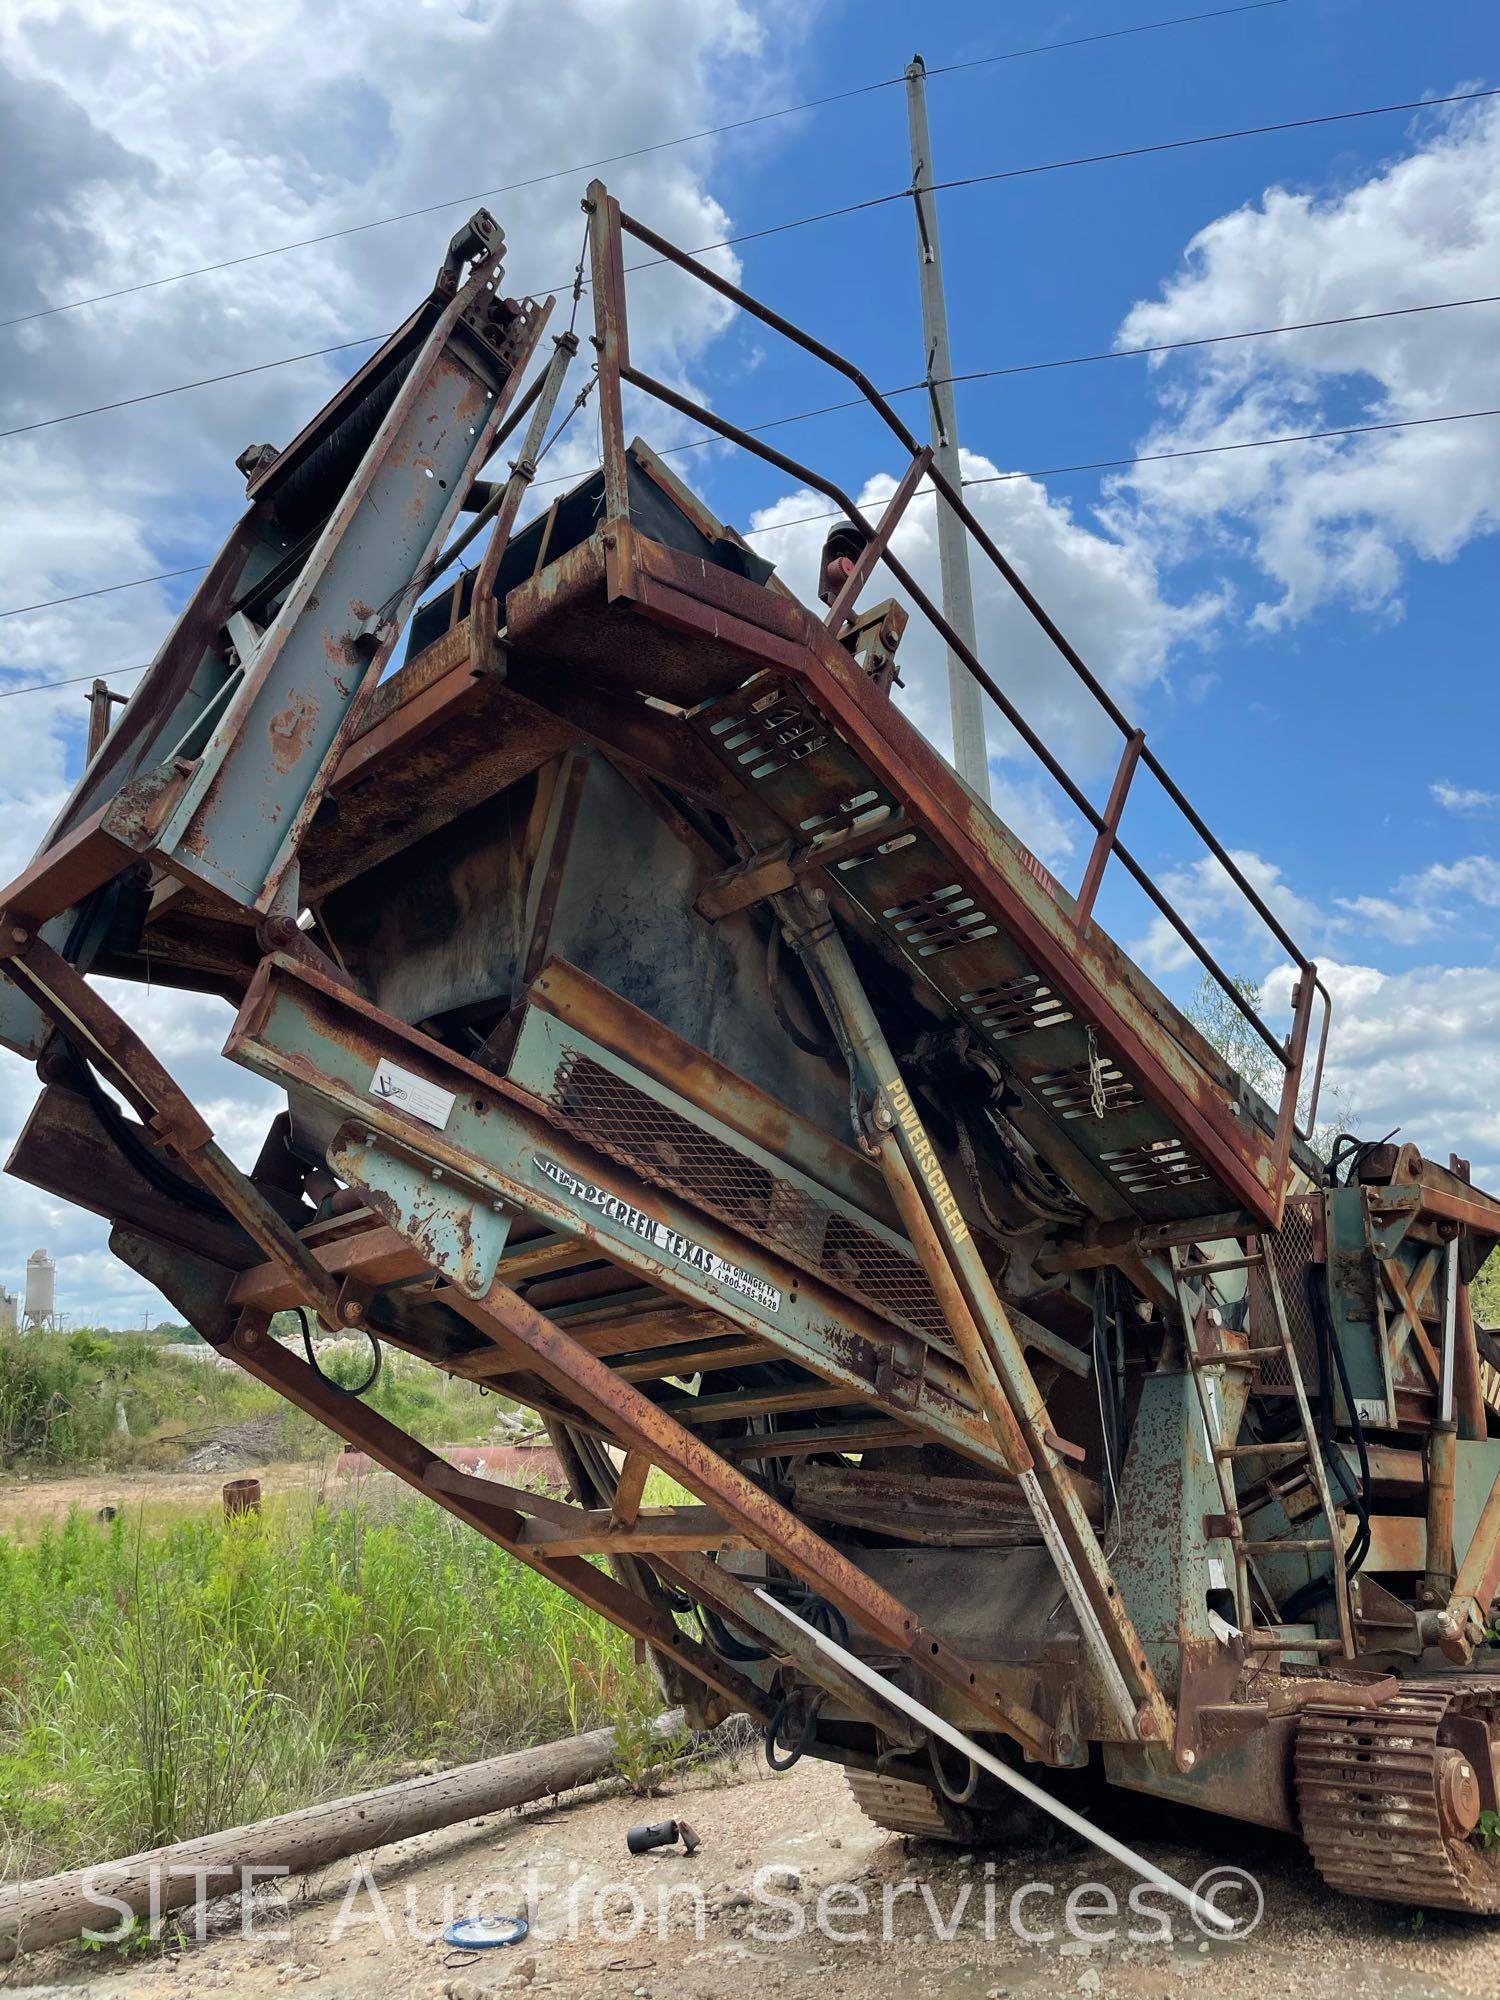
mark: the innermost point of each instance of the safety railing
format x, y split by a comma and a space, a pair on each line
609, 224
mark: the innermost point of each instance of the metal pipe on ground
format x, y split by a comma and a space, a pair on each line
1203, 1912
55, 1908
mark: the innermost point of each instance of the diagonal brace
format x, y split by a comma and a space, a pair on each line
980, 1325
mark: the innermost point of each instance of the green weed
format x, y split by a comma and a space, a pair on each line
159, 1682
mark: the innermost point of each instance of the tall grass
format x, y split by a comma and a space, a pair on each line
59, 1394
157, 1683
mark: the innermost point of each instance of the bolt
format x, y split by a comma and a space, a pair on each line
498, 1207
19, 934
250, 1337
349, 1310
370, 1139
883, 1115
437, 1173
1188, 1759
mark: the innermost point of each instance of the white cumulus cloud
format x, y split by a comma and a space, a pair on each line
1340, 520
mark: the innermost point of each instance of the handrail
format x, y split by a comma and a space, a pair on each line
616, 368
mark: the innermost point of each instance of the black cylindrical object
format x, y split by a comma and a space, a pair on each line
641, 1839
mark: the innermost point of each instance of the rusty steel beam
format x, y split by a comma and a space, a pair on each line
376, 1257
1461, 1627
625, 1507
103, 1038
642, 1426
875, 547
656, 1531
611, 341
1104, 843
1473, 1420
1001, 1376
814, 1439
197, 1288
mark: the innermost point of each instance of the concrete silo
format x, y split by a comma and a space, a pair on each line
40, 1307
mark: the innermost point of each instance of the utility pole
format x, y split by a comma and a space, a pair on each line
100, 700
970, 757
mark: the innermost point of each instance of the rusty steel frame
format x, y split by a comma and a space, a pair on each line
441, 1199
991, 1349
644, 1426
168, 814
608, 222
493, 1511
622, 1409
551, 1537
357, 1035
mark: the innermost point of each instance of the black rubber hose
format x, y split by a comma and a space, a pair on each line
805, 1736
827, 1619
825, 1047
1328, 1341
935, 1758
724, 1642
339, 1388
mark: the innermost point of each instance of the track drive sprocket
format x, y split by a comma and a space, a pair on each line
1391, 1798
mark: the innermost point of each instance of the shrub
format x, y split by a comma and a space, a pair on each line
49, 1412
156, 1683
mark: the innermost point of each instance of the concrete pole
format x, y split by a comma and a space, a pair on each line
970, 758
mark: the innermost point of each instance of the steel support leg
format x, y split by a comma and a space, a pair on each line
197, 1288
642, 1425
999, 1371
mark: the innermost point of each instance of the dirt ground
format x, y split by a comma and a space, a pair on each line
330, 1934
27, 1504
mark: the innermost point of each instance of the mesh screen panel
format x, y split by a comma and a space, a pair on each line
1292, 1248
669, 1150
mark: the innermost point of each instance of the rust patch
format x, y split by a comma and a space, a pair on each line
291, 730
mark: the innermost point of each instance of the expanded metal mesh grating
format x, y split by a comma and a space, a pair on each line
1292, 1247
669, 1150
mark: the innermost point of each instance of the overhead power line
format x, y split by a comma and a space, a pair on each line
907, 389
1078, 361
181, 388
1082, 160
797, 222
105, 591
74, 680
988, 479
637, 152
1157, 457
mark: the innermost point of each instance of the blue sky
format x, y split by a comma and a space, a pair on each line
1306, 633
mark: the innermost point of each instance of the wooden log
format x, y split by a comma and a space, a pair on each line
57, 1907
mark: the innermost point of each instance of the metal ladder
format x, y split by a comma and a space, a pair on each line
1294, 1455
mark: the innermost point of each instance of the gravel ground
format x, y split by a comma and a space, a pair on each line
327, 1934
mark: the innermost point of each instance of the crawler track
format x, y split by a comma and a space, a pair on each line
1390, 1797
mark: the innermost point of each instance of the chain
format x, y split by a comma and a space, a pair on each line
1098, 1099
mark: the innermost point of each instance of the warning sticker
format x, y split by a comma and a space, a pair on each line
412, 1094
661, 1236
